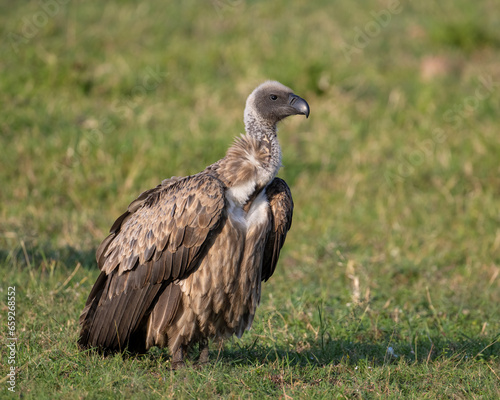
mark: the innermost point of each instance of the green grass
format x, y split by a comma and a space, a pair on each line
395, 241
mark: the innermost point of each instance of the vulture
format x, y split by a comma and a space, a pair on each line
185, 262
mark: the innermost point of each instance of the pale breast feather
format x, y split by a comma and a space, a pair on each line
240, 194
258, 213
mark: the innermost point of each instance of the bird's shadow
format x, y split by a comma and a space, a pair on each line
356, 353
345, 352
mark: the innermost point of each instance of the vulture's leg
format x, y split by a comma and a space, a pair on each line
203, 351
178, 358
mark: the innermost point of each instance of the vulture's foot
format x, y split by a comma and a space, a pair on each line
203, 352
178, 358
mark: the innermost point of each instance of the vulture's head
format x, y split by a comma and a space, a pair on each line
271, 102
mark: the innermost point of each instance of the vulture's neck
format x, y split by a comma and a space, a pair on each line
266, 133
258, 127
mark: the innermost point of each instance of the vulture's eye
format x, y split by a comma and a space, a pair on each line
273, 97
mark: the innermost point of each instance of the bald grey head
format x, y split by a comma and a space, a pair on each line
271, 102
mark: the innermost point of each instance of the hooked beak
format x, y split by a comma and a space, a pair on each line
298, 104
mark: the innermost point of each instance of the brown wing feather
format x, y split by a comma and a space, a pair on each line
159, 239
281, 205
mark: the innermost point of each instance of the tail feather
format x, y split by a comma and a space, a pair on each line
110, 321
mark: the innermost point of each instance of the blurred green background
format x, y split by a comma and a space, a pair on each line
395, 176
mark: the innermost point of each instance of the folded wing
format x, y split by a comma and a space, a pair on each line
161, 238
281, 204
